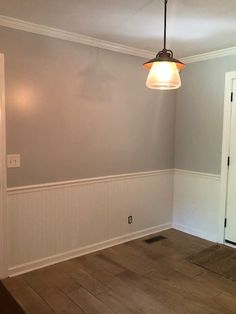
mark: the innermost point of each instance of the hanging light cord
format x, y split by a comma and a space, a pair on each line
165, 15
165, 51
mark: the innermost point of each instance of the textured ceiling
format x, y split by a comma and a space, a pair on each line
193, 26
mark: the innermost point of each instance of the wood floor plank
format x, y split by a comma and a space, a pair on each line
215, 281
227, 301
30, 301
57, 300
109, 265
13, 283
131, 278
117, 303
191, 285
88, 302
99, 267
61, 304
139, 265
188, 269
133, 294
151, 251
55, 278
7, 302
88, 282
185, 300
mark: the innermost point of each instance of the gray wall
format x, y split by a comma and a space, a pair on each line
199, 115
76, 112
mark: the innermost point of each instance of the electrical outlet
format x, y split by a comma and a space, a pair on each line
130, 220
13, 161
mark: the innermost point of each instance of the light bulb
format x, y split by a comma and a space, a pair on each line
163, 75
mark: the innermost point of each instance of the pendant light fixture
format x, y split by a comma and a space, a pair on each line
164, 69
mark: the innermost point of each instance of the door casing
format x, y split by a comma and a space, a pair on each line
229, 77
3, 177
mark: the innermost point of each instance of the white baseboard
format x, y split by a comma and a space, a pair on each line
195, 232
27, 267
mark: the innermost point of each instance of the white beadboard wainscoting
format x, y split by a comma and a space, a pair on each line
52, 222
196, 204
49, 223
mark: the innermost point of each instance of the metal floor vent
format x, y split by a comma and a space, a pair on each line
155, 239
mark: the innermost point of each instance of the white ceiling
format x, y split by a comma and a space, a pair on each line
193, 26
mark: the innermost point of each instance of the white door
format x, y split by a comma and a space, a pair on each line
230, 231
3, 209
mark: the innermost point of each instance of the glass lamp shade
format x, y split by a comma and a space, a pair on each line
163, 75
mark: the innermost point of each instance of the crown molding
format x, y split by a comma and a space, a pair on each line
39, 29
210, 55
73, 37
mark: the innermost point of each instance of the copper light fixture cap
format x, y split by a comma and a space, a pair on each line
164, 56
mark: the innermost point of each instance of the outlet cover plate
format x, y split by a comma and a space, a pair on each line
13, 161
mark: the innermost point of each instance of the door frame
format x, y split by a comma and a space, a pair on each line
3, 176
229, 77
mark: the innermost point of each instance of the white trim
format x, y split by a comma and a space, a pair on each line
197, 174
69, 183
73, 37
229, 76
230, 245
195, 232
39, 29
20, 269
3, 180
210, 55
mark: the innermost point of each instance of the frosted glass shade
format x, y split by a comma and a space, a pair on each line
163, 75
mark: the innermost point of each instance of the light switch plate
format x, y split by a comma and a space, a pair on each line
13, 161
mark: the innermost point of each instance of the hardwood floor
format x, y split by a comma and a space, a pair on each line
8, 303
135, 277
